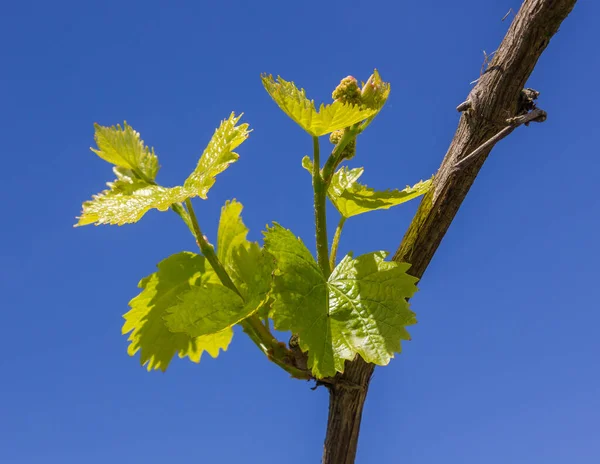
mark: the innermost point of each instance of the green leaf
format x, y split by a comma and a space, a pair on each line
206, 309
124, 148
248, 265
329, 118
360, 309
232, 231
209, 308
352, 198
126, 201
162, 291
130, 197
217, 156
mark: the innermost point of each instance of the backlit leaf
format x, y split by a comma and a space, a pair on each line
217, 156
130, 197
161, 291
124, 148
209, 308
125, 202
248, 265
327, 119
206, 309
360, 309
352, 198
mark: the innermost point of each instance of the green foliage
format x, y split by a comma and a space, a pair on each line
184, 308
125, 149
190, 304
217, 156
206, 309
360, 309
127, 200
162, 291
134, 192
351, 198
329, 118
209, 308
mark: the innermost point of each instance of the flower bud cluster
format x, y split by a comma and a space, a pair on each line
349, 149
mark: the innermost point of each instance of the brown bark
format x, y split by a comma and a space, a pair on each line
494, 99
346, 401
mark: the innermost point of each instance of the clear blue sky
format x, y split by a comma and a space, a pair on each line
503, 366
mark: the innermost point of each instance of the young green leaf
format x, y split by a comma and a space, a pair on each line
248, 265
126, 201
161, 291
360, 309
210, 308
206, 309
351, 198
124, 148
217, 156
232, 231
329, 118
131, 196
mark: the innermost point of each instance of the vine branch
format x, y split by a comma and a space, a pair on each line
495, 96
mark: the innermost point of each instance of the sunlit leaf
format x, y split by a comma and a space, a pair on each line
161, 291
217, 156
130, 197
360, 309
328, 118
209, 308
206, 309
352, 198
248, 265
123, 147
232, 231
125, 202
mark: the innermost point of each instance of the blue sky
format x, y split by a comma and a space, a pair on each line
503, 365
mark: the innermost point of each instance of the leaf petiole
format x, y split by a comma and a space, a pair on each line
336, 241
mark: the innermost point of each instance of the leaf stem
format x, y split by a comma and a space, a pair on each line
209, 252
252, 325
183, 214
320, 190
336, 241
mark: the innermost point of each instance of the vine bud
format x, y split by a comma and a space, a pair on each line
349, 149
347, 91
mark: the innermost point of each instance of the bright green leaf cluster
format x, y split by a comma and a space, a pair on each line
329, 118
351, 198
360, 309
134, 192
186, 307
183, 308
